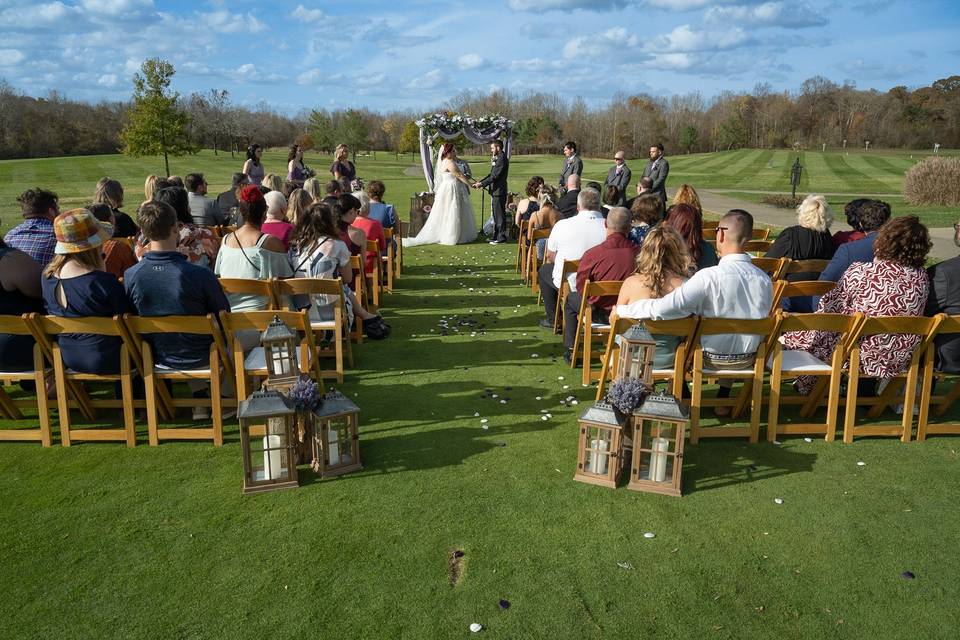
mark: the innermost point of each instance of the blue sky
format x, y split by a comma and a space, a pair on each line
411, 55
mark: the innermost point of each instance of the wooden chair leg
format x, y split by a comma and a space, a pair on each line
833, 406
63, 400
886, 398
150, 382
853, 381
126, 395
696, 395
8, 408
909, 398
43, 407
587, 349
757, 400
925, 397
813, 400
773, 410
338, 350
216, 402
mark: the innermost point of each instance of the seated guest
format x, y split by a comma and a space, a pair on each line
688, 195
647, 212
20, 293
852, 212
34, 236
288, 188
203, 210
272, 182
893, 284
545, 217
276, 223
164, 283
227, 200
808, 240
346, 211
333, 191
316, 251
662, 266
383, 213
110, 193
687, 220
372, 229
613, 259
568, 240
531, 204
199, 244
118, 255
175, 181
250, 253
152, 185
611, 198
312, 187
733, 289
644, 186
297, 203
945, 298
567, 204
76, 286
872, 215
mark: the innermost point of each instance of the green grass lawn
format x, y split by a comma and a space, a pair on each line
748, 169
101, 541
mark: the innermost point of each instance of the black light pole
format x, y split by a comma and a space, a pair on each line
795, 172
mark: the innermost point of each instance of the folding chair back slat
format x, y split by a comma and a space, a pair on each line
334, 289
249, 286
568, 267
9, 408
804, 266
799, 289
770, 266
585, 329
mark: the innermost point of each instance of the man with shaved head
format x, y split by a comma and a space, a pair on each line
613, 259
733, 289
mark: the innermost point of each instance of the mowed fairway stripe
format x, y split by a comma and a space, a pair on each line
883, 172
853, 181
756, 173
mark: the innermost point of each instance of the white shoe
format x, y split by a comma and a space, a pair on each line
201, 413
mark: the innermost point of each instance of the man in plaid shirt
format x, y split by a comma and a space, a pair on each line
34, 236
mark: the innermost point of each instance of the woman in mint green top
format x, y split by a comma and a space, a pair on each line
662, 265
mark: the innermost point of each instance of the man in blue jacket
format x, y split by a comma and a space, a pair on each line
873, 215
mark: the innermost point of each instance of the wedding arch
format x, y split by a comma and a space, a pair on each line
446, 126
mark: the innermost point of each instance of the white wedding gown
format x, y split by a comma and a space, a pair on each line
451, 218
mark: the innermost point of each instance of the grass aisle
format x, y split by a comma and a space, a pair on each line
100, 541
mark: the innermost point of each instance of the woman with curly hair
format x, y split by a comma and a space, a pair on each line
662, 265
894, 284
686, 219
688, 195
531, 204
647, 212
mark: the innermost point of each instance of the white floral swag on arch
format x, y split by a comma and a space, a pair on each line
449, 125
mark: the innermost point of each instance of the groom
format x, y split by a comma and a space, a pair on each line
497, 182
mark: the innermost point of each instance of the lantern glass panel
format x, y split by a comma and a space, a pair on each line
637, 354
599, 443
270, 454
280, 359
658, 447
338, 441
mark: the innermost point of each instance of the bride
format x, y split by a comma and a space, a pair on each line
451, 219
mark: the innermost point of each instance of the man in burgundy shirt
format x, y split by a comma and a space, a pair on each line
613, 259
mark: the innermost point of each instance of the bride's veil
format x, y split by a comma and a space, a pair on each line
438, 168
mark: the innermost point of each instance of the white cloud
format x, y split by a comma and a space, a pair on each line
535, 64
9, 57
252, 73
116, 7
429, 80
25, 18
229, 22
547, 5
688, 5
310, 77
611, 42
683, 38
470, 61
108, 80
769, 14
309, 15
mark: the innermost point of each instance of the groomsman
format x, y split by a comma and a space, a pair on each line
657, 170
619, 176
572, 165
497, 183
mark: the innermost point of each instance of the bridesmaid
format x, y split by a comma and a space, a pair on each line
342, 167
295, 168
252, 167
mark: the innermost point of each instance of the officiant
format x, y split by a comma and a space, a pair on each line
618, 176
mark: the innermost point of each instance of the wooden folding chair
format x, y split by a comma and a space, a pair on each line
921, 327
522, 244
48, 329
249, 286
533, 262
373, 278
154, 375
254, 364
591, 330
709, 233
10, 408
947, 325
568, 267
360, 289
684, 328
783, 289
789, 363
400, 235
758, 247
388, 262
332, 290
770, 266
754, 376
804, 266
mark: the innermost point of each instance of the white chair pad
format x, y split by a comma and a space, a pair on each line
800, 361
164, 369
599, 325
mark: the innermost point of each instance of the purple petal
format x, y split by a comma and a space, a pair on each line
504, 604
907, 575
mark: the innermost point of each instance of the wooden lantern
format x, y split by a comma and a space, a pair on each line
637, 349
280, 354
336, 435
266, 437
600, 459
659, 425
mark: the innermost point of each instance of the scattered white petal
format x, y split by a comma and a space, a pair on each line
494, 396
861, 463
534, 355
649, 534
549, 415
559, 377
544, 418
476, 414
566, 386
778, 500
485, 427
776, 442
544, 411
574, 402
808, 439
503, 402
538, 398
476, 627
625, 565
484, 420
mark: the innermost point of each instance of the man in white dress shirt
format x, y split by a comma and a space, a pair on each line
569, 240
732, 289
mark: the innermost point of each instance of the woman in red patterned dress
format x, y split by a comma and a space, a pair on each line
894, 284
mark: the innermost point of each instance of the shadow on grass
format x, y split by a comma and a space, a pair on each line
723, 464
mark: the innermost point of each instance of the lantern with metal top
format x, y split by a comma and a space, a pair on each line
600, 459
637, 348
659, 425
336, 435
280, 354
266, 437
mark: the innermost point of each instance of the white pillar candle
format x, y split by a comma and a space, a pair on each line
272, 459
598, 453
658, 459
333, 447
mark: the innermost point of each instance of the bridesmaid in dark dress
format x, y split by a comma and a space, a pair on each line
295, 169
342, 167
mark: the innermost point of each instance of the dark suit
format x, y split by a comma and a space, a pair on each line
621, 182
571, 165
659, 176
497, 184
847, 253
567, 204
945, 298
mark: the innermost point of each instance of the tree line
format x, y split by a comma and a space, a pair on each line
820, 112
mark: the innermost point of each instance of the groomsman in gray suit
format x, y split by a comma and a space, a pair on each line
657, 170
572, 165
619, 176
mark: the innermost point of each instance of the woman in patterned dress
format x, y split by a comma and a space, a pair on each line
894, 284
